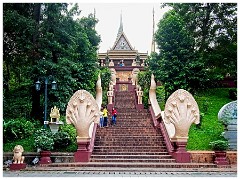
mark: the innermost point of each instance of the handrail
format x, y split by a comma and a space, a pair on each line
91, 145
167, 140
158, 123
156, 115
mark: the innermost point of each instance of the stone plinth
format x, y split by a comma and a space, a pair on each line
83, 153
181, 155
45, 157
221, 158
15, 167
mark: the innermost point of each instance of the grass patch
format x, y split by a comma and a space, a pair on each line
210, 128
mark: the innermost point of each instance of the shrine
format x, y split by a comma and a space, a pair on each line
122, 59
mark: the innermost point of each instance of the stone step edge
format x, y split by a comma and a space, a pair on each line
140, 169
140, 147
137, 155
130, 160
134, 153
73, 164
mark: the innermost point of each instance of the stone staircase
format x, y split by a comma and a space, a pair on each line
132, 144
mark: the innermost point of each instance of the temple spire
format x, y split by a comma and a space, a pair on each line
153, 48
94, 16
120, 30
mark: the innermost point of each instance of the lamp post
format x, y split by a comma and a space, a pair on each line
38, 86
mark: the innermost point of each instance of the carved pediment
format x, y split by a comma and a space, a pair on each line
122, 43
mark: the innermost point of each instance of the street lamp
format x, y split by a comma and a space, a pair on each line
38, 86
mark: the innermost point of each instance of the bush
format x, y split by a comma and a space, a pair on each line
44, 143
43, 132
232, 94
70, 130
219, 145
14, 129
43, 139
61, 139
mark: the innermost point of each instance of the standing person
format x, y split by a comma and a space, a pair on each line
105, 117
114, 116
101, 117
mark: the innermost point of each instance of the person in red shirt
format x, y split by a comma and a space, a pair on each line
114, 116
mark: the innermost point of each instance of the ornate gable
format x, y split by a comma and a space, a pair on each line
122, 43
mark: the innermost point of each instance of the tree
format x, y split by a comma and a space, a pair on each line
47, 40
214, 28
178, 64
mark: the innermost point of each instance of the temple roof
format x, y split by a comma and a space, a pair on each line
121, 42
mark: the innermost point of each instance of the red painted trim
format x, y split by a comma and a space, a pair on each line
162, 127
166, 138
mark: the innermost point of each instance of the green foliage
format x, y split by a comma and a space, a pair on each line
27, 144
43, 139
214, 28
14, 129
232, 94
160, 93
61, 139
144, 79
105, 78
45, 40
210, 128
17, 102
219, 145
205, 106
44, 143
177, 63
70, 130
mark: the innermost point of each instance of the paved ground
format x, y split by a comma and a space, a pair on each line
114, 174
118, 172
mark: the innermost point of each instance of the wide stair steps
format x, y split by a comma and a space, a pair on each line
133, 143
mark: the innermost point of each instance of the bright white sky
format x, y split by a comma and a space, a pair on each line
137, 22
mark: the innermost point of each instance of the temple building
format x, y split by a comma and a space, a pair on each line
122, 57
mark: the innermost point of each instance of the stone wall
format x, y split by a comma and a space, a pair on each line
207, 156
196, 157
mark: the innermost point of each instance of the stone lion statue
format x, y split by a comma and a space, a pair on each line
17, 154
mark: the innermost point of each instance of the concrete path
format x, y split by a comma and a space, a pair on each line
114, 174
37, 171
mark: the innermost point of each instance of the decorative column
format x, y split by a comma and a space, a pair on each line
110, 96
139, 96
135, 72
113, 76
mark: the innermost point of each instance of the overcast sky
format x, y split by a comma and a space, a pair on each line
137, 21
